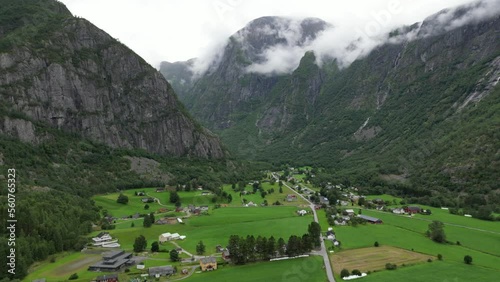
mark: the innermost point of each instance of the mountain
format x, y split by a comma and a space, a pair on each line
227, 87
418, 112
65, 72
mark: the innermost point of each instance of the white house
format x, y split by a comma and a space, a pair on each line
302, 212
165, 237
174, 236
398, 211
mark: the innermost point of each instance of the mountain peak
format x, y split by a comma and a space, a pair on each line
268, 31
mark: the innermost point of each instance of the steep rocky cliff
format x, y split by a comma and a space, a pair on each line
64, 71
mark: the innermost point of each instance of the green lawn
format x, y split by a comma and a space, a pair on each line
216, 227
108, 202
304, 269
257, 198
436, 271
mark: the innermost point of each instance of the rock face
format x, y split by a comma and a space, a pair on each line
75, 77
412, 106
228, 87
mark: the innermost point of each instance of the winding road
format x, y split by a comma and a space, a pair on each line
323, 251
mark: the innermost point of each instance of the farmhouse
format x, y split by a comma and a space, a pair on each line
165, 237
349, 212
291, 197
112, 261
161, 271
225, 254
324, 200
167, 220
398, 211
208, 264
107, 278
413, 209
302, 212
369, 218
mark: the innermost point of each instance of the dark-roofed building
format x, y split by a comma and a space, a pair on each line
112, 261
208, 263
369, 218
413, 209
161, 271
324, 200
107, 278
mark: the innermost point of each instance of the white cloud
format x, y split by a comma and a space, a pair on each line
173, 30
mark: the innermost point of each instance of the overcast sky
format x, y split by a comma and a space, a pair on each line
176, 30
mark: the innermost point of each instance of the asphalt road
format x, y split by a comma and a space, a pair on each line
323, 251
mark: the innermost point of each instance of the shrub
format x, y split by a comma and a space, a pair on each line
429, 260
356, 272
376, 244
73, 276
127, 270
344, 273
390, 266
440, 257
468, 259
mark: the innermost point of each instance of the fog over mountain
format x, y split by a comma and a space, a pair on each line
344, 42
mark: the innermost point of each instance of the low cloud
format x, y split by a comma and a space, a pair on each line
347, 42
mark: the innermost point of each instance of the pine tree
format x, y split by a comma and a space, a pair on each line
200, 248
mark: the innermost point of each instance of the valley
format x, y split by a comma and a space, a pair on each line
294, 148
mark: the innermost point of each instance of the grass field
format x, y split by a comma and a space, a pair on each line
305, 269
65, 265
257, 199
215, 228
134, 205
441, 271
374, 258
479, 239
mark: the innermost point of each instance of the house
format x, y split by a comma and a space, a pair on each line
250, 204
378, 201
324, 200
167, 220
398, 211
112, 261
344, 203
161, 271
139, 193
208, 264
175, 236
219, 249
330, 235
370, 219
380, 208
413, 209
165, 237
350, 212
107, 278
302, 212
225, 254
148, 200
204, 208
291, 197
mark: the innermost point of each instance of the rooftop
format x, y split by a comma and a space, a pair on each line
208, 260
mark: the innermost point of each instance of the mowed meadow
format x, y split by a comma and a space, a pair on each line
213, 228
466, 236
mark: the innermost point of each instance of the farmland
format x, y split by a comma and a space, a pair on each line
373, 258
213, 228
304, 269
465, 236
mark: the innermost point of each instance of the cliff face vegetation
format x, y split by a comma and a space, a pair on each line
65, 72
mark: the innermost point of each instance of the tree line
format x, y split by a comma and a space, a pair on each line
250, 249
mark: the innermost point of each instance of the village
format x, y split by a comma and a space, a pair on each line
165, 234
